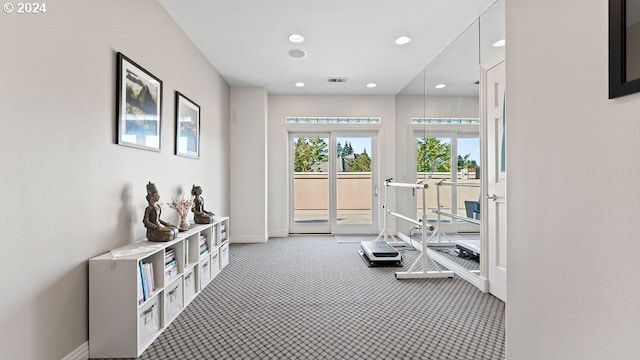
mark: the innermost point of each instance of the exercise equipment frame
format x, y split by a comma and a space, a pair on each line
438, 234
418, 269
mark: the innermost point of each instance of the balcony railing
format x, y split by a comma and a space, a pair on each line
311, 195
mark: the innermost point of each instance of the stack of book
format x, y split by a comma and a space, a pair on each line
223, 233
204, 248
170, 264
147, 283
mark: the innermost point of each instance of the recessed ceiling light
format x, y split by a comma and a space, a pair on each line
296, 38
299, 84
297, 53
372, 85
440, 86
499, 43
403, 40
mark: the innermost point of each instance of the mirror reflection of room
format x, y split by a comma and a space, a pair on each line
441, 107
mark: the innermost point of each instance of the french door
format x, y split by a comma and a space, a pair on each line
451, 155
333, 183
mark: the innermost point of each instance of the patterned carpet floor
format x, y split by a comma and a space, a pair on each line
314, 298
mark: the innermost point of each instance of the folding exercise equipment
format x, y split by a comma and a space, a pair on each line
419, 267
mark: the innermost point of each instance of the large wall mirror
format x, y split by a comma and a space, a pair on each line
439, 141
624, 47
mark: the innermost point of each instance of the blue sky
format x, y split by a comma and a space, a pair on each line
357, 143
470, 146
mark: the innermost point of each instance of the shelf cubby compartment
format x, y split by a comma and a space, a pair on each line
215, 262
204, 244
192, 251
223, 230
209, 234
152, 273
190, 284
173, 300
224, 255
173, 261
204, 272
149, 322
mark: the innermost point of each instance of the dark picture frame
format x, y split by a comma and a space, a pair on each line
619, 85
139, 106
187, 127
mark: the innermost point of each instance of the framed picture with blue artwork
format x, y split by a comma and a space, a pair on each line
139, 106
187, 127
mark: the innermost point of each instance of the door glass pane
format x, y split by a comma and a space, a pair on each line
468, 173
311, 180
434, 164
354, 183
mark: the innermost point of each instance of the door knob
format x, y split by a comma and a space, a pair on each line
492, 197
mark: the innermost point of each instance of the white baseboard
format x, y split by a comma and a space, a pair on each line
81, 353
249, 239
279, 234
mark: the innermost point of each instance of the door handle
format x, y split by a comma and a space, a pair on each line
376, 190
492, 197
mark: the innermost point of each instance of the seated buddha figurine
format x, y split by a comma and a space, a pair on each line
200, 215
157, 230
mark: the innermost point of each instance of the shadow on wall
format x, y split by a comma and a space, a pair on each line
127, 217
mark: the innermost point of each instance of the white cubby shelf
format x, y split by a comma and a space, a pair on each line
137, 290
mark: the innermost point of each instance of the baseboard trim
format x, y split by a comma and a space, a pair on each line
279, 234
81, 353
248, 239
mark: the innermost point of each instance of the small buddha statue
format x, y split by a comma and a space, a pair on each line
157, 230
200, 215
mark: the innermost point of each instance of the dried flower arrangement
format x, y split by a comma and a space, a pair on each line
182, 206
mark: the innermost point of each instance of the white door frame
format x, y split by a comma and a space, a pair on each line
332, 132
371, 228
451, 131
493, 269
313, 228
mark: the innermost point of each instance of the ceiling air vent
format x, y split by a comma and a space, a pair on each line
337, 79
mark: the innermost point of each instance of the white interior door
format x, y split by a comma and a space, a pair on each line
496, 198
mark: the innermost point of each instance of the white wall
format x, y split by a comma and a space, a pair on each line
573, 288
63, 181
281, 106
249, 168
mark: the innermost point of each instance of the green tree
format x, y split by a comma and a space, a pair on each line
338, 149
309, 151
465, 163
303, 158
347, 150
430, 149
320, 149
362, 163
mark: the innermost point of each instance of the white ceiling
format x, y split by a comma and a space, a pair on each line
246, 40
